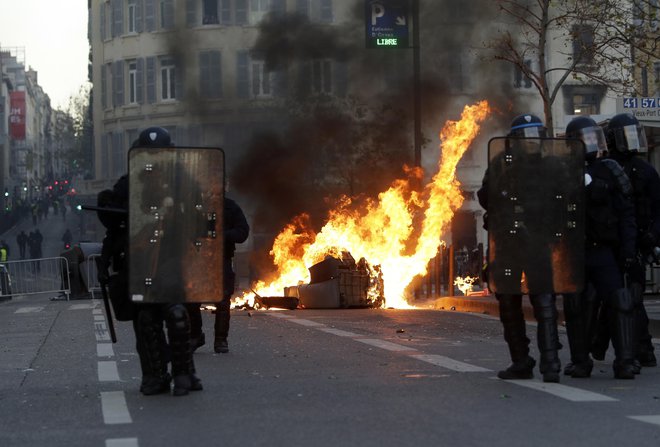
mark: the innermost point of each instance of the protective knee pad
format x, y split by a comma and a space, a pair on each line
621, 300
177, 318
544, 306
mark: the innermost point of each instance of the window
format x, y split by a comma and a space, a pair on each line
210, 12
322, 76
132, 82
583, 99
302, 7
520, 79
210, 75
583, 44
325, 13
261, 80
167, 79
258, 9
131, 28
118, 154
166, 14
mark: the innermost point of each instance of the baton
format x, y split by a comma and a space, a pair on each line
103, 208
106, 302
111, 324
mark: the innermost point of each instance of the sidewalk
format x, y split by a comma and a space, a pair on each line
487, 304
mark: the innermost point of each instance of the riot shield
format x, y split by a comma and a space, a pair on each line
536, 215
176, 245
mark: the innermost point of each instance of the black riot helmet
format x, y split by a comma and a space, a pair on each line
625, 134
153, 137
528, 126
584, 128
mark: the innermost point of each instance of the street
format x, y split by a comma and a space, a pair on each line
358, 377
305, 377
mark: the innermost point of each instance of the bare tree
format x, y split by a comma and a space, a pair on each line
593, 38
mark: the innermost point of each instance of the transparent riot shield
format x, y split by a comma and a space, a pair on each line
175, 219
536, 215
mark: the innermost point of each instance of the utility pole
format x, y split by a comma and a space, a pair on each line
417, 107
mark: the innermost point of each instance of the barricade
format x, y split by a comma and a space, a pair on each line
34, 276
92, 279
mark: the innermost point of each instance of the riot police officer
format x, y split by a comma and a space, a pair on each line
154, 350
626, 142
236, 230
610, 252
510, 305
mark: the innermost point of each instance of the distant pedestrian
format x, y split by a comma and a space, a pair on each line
21, 240
4, 251
35, 240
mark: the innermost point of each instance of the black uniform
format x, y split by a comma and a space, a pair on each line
610, 239
154, 349
539, 276
236, 231
646, 195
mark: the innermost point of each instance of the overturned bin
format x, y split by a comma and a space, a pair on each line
337, 284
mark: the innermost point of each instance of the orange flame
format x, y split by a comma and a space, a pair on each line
465, 284
383, 231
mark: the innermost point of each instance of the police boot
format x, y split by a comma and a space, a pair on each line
222, 317
601, 338
178, 328
149, 334
574, 313
545, 312
644, 354
513, 322
623, 333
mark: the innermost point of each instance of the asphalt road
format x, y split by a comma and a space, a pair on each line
305, 378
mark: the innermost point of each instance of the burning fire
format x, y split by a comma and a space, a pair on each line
465, 284
400, 231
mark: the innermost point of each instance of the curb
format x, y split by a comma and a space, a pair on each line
488, 305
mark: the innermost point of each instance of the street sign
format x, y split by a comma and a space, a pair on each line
644, 109
386, 23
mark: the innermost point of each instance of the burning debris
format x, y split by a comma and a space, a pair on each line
394, 236
465, 284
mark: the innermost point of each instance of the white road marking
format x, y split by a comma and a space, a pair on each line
304, 322
104, 350
124, 442
97, 310
107, 371
81, 306
25, 310
384, 344
448, 363
99, 317
114, 408
563, 391
338, 332
101, 331
280, 315
651, 419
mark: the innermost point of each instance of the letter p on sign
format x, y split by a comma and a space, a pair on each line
377, 10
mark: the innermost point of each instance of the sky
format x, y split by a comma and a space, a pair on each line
54, 36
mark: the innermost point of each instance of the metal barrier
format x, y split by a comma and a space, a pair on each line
33, 276
93, 284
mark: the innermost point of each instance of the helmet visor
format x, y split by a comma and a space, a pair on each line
631, 138
593, 139
532, 130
